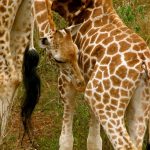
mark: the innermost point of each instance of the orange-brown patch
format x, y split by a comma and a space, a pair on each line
99, 106
120, 37
114, 92
2, 9
86, 43
114, 102
136, 47
101, 37
143, 45
100, 22
121, 72
116, 60
44, 25
122, 106
110, 126
147, 53
97, 96
120, 113
106, 84
115, 81
112, 49
42, 17
99, 75
130, 56
115, 32
129, 31
113, 107
96, 12
124, 46
98, 51
39, 6
86, 66
86, 27
92, 31
100, 88
132, 63
93, 38
89, 92
107, 28
127, 84
95, 82
124, 93
105, 60
108, 40
133, 74
106, 98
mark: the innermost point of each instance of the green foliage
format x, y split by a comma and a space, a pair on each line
59, 21
129, 12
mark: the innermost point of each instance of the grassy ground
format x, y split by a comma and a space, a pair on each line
48, 114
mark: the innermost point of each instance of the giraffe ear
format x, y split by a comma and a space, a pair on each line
74, 29
69, 36
58, 34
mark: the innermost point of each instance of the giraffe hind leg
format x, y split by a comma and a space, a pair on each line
137, 114
31, 82
94, 140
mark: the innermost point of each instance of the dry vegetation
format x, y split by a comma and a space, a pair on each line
48, 114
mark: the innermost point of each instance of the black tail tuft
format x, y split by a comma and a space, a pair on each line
148, 147
31, 82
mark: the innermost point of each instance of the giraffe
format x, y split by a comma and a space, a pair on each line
115, 64
60, 45
16, 30
54, 41
14, 37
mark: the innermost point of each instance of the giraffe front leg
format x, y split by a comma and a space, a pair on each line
94, 141
137, 114
67, 93
4, 113
6, 102
148, 145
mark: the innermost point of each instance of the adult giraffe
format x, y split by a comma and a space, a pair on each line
15, 32
116, 67
14, 37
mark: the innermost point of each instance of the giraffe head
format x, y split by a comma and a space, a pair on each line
65, 52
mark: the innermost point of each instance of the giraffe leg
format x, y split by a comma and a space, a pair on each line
6, 102
110, 111
67, 93
5, 110
148, 145
94, 141
137, 114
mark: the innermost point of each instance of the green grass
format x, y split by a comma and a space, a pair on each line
47, 117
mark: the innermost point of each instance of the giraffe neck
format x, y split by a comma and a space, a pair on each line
42, 17
77, 12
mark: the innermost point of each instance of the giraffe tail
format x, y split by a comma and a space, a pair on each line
31, 82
